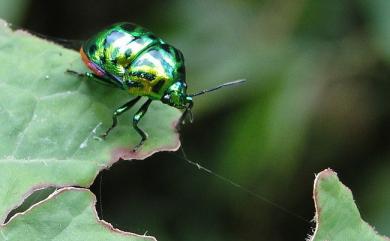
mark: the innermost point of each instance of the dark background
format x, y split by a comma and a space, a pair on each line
317, 96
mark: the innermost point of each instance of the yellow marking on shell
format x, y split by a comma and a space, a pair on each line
145, 90
122, 60
157, 68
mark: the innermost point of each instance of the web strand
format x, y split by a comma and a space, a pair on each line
235, 184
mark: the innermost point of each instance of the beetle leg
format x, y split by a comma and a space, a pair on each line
118, 112
181, 121
136, 118
86, 74
75, 73
89, 75
187, 114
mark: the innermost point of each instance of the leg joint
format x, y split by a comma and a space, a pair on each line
136, 119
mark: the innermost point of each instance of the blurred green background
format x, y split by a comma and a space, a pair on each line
317, 96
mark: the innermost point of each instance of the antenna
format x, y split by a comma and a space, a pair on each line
218, 87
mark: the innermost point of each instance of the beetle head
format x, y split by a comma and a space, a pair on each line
176, 96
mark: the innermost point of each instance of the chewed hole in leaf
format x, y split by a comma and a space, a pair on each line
66, 214
32, 199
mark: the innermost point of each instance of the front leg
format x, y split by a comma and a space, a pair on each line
136, 118
187, 114
118, 112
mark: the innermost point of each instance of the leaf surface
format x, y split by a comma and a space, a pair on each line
337, 216
49, 121
67, 214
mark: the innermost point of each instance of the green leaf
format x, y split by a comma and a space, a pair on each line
49, 120
337, 216
67, 214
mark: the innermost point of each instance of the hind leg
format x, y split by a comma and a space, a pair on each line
103, 80
136, 118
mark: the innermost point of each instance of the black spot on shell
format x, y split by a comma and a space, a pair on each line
102, 58
143, 75
134, 84
92, 49
166, 47
128, 27
128, 53
181, 69
156, 88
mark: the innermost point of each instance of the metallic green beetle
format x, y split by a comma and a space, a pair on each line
132, 58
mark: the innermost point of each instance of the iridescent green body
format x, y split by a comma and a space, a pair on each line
134, 59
